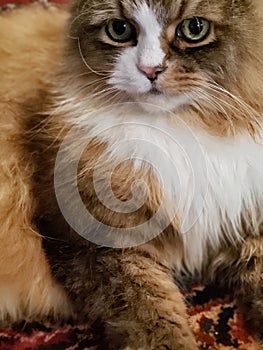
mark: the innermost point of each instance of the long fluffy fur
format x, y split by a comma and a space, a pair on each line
31, 42
130, 292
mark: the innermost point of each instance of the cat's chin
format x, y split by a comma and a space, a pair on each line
157, 103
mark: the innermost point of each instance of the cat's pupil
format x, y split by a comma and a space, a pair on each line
196, 26
119, 27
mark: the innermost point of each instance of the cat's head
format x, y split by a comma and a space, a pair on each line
175, 54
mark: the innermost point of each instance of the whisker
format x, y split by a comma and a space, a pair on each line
209, 99
239, 104
86, 63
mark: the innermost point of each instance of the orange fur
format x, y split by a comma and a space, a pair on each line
27, 288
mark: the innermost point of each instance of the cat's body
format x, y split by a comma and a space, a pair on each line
200, 128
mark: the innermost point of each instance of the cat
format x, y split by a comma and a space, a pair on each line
133, 155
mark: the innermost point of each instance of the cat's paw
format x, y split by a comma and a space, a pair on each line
253, 315
157, 339
161, 340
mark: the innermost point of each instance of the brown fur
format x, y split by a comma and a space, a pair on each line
129, 293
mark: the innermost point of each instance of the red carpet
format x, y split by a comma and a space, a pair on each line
214, 320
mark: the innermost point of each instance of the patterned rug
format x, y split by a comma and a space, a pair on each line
213, 316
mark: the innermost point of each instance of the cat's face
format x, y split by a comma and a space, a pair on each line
171, 53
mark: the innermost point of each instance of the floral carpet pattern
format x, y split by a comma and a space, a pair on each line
216, 322
213, 317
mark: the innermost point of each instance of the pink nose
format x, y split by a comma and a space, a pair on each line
150, 72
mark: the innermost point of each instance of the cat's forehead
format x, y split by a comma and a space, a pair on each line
173, 8
163, 10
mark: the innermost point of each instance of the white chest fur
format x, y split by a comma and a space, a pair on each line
210, 181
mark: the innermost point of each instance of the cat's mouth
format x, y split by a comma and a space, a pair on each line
158, 98
154, 91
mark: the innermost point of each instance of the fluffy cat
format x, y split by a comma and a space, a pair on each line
146, 139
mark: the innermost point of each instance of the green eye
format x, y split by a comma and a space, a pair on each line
120, 31
194, 29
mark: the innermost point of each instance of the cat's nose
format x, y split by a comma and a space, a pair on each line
151, 72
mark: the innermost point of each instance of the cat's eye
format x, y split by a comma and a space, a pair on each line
120, 31
194, 29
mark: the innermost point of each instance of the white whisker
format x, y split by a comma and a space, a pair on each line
86, 63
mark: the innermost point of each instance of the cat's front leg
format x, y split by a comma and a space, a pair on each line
241, 268
129, 297
154, 317
249, 291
